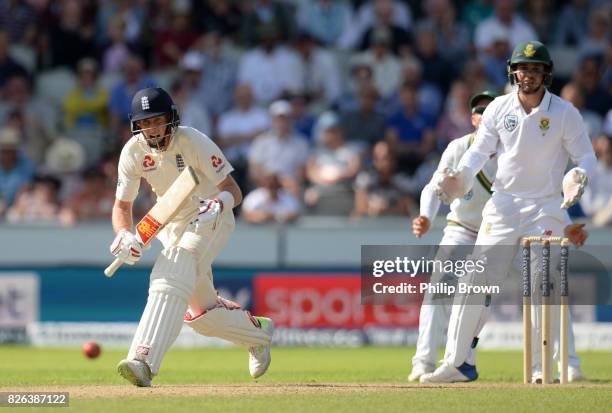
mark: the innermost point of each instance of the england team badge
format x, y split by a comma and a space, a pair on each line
510, 122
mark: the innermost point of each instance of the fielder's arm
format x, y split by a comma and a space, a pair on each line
430, 201
577, 143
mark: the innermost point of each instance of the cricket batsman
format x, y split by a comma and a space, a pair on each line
463, 221
533, 134
181, 283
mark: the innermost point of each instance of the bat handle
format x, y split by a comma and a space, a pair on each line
110, 270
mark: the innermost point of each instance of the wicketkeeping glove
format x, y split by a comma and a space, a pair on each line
574, 182
126, 247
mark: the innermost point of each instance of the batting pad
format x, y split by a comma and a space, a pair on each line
233, 325
172, 280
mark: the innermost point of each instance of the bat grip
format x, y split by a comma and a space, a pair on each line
110, 270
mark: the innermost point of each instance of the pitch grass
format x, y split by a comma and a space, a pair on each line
305, 374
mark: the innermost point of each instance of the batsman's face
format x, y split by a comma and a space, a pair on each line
154, 128
530, 76
157, 131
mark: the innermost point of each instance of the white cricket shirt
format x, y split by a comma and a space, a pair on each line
532, 149
189, 147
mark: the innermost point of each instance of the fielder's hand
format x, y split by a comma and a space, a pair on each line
451, 185
420, 226
576, 234
574, 182
210, 211
126, 247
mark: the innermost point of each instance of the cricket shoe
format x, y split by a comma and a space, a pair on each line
259, 356
574, 374
418, 370
451, 374
136, 372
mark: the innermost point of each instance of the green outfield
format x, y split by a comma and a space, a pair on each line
299, 380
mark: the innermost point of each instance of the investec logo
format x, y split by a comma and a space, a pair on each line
144, 102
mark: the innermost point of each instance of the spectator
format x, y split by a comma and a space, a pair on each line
8, 66
93, 201
280, 148
16, 170
588, 78
18, 18
429, 95
598, 35
38, 202
65, 160
86, 106
505, 17
375, 13
409, 131
572, 93
474, 12
270, 69
33, 117
220, 16
70, 39
331, 170
192, 70
303, 120
270, 202
320, 72
238, 128
117, 50
364, 126
474, 75
134, 78
266, 13
456, 119
191, 112
133, 15
452, 37
495, 58
325, 20
219, 73
542, 17
172, 43
361, 76
379, 191
439, 71
399, 38
386, 67
573, 23
597, 199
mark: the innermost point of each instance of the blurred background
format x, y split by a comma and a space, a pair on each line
365, 96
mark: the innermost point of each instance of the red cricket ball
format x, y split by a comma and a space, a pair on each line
91, 349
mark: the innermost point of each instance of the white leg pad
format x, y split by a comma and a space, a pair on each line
172, 280
234, 325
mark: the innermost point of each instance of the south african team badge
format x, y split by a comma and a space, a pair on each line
510, 122
544, 124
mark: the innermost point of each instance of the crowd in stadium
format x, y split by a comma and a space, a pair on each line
323, 107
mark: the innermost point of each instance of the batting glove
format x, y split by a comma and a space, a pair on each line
574, 182
209, 211
126, 247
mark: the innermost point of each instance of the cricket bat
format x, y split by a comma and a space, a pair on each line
162, 212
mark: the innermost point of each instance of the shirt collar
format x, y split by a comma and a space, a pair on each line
544, 105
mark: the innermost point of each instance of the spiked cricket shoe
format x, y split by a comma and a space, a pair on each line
259, 356
136, 372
